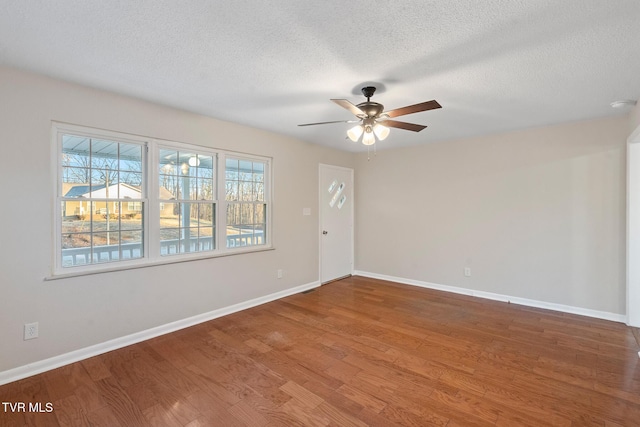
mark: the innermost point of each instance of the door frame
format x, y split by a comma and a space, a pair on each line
351, 213
633, 229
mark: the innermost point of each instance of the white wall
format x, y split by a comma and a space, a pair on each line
537, 214
79, 312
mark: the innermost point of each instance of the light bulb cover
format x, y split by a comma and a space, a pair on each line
194, 161
355, 132
382, 132
368, 138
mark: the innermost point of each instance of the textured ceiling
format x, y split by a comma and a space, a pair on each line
494, 65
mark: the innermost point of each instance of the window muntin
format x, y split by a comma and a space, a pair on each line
246, 202
99, 177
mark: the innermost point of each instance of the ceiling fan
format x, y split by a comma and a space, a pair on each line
373, 120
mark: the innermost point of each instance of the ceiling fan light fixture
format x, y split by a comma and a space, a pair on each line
355, 132
381, 131
368, 138
370, 112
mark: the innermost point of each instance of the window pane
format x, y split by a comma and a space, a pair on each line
105, 217
259, 191
104, 154
258, 236
74, 175
104, 184
182, 188
246, 215
231, 171
169, 241
185, 188
130, 157
246, 190
186, 175
258, 168
75, 151
245, 169
132, 179
168, 188
207, 212
341, 201
260, 217
231, 191
132, 219
233, 214
205, 189
167, 169
131, 245
186, 227
245, 224
170, 215
206, 166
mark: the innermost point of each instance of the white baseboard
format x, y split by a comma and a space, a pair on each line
499, 297
38, 367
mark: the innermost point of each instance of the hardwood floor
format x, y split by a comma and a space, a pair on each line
355, 352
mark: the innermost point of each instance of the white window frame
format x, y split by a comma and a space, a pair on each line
180, 147
151, 202
267, 199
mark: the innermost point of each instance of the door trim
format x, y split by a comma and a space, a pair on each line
633, 229
351, 213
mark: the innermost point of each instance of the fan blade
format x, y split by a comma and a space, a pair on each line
402, 125
423, 106
326, 123
349, 106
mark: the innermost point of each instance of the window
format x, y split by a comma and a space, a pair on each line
114, 209
98, 175
186, 195
246, 206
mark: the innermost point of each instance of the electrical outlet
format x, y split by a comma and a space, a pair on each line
30, 331
280, 274
467, 272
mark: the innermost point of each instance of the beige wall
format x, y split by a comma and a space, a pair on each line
78, 312
536, 214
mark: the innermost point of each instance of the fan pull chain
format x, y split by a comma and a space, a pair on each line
369, 152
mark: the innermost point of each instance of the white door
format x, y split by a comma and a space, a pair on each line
336, 222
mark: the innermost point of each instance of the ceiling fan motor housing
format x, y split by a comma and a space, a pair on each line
371, 109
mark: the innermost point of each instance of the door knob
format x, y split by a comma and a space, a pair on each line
325, 232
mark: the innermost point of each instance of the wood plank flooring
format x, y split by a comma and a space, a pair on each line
355, 352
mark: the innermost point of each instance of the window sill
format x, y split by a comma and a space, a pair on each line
110, 268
